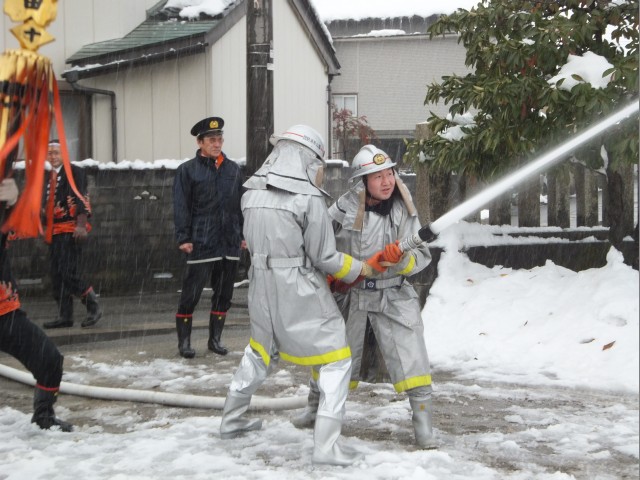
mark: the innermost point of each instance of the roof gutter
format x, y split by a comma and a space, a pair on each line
72, 78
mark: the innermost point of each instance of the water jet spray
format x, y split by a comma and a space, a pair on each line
429, 232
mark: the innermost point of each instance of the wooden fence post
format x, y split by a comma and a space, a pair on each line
422, 197
558, 201
529, 203
586, 196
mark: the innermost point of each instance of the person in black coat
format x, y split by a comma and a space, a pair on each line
208, 229
25, 340
67, 229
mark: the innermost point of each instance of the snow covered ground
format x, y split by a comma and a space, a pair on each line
535, 376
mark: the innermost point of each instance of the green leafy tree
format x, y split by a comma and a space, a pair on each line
514, 48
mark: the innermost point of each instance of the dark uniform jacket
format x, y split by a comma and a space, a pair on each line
206, 208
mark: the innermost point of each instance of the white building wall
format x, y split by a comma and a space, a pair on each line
300, 78
80, 22
390, 76
228, 88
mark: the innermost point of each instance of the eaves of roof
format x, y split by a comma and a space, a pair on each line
151, 41
161, 37
156, 40
319, 33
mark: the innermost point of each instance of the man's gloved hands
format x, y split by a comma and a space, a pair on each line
392, 253
8, 191
80, 233
374, 262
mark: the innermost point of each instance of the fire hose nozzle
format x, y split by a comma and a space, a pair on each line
425, 234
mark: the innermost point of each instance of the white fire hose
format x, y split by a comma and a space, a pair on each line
161, 398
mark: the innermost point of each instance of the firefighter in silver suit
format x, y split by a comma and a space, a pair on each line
372, 216
293, 314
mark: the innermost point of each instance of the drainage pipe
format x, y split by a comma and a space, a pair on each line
72, 78
161, 398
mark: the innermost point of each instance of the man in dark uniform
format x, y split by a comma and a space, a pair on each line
25, 340
208, 228
69, 214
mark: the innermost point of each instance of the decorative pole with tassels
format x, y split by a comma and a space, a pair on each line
29, 98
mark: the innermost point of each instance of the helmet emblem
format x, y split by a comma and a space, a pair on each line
379, 159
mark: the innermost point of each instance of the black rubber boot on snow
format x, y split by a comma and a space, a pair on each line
65, 314
43, 414
94, 312
183, 326
216, 325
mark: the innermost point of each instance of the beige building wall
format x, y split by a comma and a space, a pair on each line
390, 76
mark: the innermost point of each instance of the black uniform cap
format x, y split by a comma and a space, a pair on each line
208, 125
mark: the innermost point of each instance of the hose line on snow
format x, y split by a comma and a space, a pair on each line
161, 398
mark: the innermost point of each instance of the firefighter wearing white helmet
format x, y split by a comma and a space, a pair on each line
368, 160
289, 235
303, 135
368, 218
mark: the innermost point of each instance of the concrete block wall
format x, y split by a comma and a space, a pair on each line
131, 249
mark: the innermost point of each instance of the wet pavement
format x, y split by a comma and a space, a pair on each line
133, 316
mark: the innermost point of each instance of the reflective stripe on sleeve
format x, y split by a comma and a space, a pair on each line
346, 267
409, 267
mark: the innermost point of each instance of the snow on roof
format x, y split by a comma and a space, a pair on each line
330, 10
193, 8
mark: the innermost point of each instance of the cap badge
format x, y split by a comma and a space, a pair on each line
379, 159
213, 124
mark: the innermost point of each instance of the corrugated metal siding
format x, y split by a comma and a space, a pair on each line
391, 76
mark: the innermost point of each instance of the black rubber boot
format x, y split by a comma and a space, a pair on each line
43, 414
216, 325
94, 312
65, 314
183, 327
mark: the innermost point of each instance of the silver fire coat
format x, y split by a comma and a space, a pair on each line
290, 238
389, 301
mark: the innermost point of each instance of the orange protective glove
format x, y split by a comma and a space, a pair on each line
392, 252
374, 261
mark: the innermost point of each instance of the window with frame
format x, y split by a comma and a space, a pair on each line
346, 102
76, 113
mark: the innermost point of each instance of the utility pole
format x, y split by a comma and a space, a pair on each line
259, 82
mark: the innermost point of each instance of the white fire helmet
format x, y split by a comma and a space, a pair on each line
304, 135
368, 160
